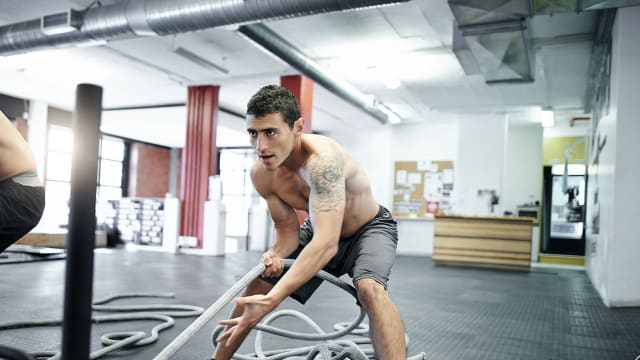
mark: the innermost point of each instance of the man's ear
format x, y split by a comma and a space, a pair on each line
298, 126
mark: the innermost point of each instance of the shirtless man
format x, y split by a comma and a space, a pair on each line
21, 193
347, 231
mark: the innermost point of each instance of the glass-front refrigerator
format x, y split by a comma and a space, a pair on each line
563, 210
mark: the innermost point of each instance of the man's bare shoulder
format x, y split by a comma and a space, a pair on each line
322, 148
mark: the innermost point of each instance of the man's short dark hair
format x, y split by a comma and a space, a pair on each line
272, 99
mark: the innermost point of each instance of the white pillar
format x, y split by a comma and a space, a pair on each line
171, 228
259, 228
612, 231
213, 236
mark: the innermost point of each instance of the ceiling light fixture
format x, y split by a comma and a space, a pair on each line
546, 118
197, 59
90, 43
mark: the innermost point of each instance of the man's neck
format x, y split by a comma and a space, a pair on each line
299, 154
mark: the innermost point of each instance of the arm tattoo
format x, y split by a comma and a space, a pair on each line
327, 184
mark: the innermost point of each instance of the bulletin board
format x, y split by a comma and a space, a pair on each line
422, 187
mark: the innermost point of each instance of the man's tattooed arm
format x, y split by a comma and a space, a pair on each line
327, 183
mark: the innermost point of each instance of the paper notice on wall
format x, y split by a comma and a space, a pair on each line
401, 177
414, 178
447, 176
432, 186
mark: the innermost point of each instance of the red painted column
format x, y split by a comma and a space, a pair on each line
199, 157
302, 88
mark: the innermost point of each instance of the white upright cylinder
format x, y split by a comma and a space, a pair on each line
171, 228
213, 237
259, 228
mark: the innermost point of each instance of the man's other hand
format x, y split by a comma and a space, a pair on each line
274, 265
255, 307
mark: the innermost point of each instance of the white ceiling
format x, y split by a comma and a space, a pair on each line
410, 42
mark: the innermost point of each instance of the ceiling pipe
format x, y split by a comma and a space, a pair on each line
281, 48
132, 18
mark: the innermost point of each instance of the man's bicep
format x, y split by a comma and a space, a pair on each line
327, 185
327, 197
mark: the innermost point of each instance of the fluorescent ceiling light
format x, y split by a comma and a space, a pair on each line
546, 118
90, 43
197, 59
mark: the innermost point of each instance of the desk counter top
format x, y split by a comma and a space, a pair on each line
490, 218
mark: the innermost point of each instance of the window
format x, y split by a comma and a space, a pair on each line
58, 173
110, 171
238, 194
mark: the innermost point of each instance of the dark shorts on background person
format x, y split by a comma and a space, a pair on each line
367, 254
21, 207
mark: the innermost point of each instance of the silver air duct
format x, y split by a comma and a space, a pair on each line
131, 18
494, 33
607, 4
278, 46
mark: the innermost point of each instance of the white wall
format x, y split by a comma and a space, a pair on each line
612, 252
371, 149
522, 178
167, 126
479, 163
486, 154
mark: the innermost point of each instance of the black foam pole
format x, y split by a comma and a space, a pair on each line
76, 327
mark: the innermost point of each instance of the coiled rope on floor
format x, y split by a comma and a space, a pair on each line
331, 349
119, 340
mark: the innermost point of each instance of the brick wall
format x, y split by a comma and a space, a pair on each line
148, 170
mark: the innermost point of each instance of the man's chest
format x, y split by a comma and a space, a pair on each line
293, 190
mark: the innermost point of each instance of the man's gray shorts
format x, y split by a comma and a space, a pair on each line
367, 254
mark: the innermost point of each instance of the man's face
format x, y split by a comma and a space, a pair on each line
272, 138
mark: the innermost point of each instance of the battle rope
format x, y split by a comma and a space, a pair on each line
186, 334
10, 353
330, 350
119, 340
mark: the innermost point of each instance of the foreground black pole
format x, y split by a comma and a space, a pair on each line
76, 327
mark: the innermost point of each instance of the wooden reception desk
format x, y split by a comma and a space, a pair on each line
503, 242
55, 238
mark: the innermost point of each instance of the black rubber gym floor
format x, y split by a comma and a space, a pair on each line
449, 312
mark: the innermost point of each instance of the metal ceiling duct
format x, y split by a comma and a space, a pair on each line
469, 12
494, 35
462, 51
503, 50
131, 18
278, 46
495, 32
607, 4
